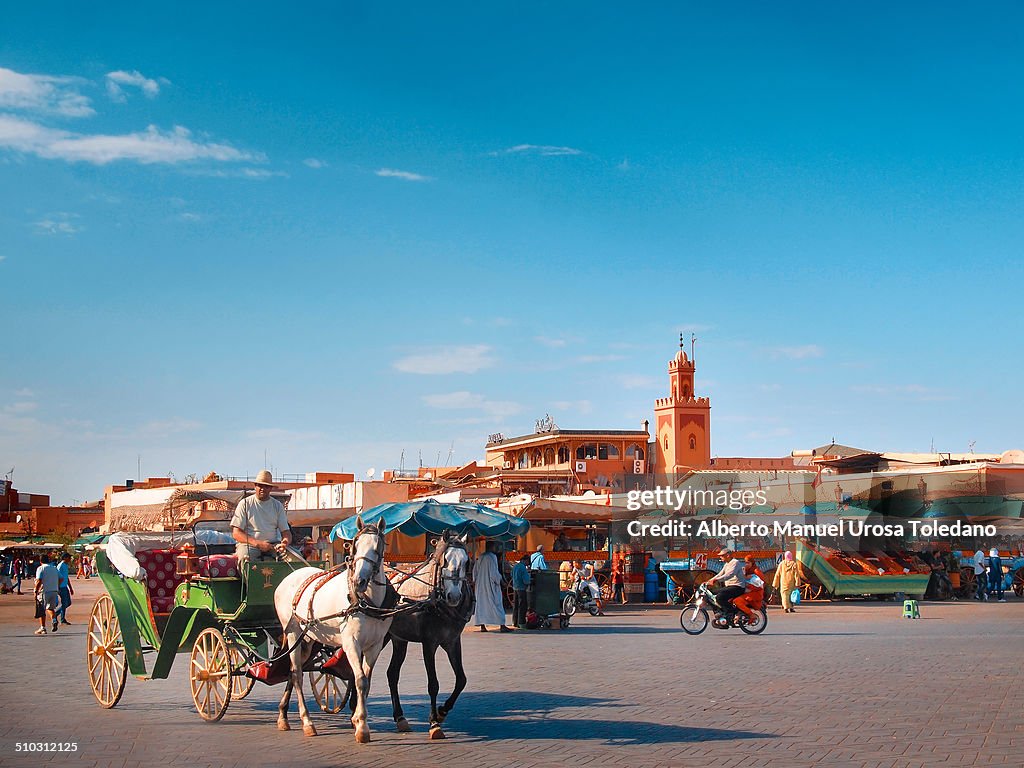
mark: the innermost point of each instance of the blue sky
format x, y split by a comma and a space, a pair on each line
335, 234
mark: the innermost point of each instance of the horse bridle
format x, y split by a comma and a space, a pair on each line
377, 563
439, 575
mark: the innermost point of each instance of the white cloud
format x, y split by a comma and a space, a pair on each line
463, 359
312, 162
25, 406
598, 358
797, 353
3, 258
24, 392
624, 165
146, 147
549, 342
44, 94
544, 150
407, 175
134, 79
497, 409
189, 216
636, 381
57, 224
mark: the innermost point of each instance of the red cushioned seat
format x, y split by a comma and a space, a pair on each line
218, 566
161, 577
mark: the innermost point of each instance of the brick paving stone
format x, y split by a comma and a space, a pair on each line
844, 684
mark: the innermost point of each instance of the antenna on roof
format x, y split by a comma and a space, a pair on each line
448, 461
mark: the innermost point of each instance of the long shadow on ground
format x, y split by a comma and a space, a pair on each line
537, 716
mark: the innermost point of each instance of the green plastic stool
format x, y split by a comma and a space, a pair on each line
911, 610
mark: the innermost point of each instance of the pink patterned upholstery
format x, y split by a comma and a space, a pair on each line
161, 577
218, 566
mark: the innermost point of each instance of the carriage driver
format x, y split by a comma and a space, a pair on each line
260, 524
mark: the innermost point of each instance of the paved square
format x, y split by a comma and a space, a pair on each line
841, 684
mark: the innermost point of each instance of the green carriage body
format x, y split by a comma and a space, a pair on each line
242, 605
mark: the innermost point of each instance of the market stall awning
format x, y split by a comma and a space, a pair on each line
414, 518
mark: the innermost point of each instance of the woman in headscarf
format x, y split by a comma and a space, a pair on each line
787, 578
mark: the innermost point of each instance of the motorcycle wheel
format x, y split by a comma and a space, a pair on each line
569, 605
759, 626
693, 620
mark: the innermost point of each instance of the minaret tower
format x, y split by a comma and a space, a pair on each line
682, 421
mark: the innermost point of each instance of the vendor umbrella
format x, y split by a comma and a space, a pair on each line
429, 516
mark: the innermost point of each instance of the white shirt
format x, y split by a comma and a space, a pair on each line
979, 563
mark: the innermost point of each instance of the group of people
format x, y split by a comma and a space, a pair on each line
743, 583
53, 592
988, 575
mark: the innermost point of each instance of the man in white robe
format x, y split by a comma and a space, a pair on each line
487, 575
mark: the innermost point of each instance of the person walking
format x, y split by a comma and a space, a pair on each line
487, 577
787, 578
64, 589
17, 571
995, 575
980, 580
520, 582
47, 593
618, 584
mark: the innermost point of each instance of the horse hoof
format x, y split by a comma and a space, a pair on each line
309, 730
436, 733
402, 725
363, 737
282, 725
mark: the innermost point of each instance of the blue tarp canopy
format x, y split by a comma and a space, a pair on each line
414, 518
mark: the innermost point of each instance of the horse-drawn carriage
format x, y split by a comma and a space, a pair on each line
185, 592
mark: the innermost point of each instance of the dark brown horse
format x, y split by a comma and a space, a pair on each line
441, 587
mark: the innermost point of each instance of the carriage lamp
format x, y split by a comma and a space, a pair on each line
187, 563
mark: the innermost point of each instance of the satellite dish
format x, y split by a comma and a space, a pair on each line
371, 472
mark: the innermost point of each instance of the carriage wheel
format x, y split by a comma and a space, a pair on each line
210, 675
968, 583
327, 692
1018, 582
241, 685
104, 653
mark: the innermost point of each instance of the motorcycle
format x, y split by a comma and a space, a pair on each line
695, 616
581, 596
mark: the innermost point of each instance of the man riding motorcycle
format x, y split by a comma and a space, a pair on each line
734, 580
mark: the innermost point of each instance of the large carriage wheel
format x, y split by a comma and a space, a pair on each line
241, 685
1018, 582
210, 675
327, 692
968, 583
104, 653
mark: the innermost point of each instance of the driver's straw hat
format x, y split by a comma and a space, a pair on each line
263, 477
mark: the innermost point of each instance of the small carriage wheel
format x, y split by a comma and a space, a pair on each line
1018, 582
104, 653
210, 675
327, 692
241, 685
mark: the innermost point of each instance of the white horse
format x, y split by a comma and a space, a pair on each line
338, 615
